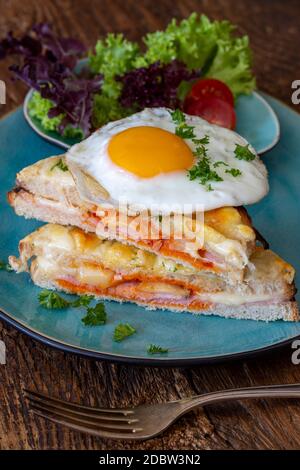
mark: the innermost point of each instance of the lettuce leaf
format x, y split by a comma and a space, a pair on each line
113, 56
39, 108
232, 65
197, 42
209, 45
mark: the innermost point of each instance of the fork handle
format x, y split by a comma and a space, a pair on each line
267, 391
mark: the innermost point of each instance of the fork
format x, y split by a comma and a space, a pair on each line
144, 421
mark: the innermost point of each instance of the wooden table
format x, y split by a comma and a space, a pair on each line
275, 37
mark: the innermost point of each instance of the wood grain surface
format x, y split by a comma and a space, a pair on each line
275, 37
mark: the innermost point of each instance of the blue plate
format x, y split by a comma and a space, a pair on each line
190, 339
256, 121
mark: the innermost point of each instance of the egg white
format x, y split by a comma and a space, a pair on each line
174, 189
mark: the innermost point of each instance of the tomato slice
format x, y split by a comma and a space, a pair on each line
214, 110
211, 87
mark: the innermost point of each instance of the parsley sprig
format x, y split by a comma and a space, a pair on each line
242, 152
153, 349
202, 169
52, 300
83, 301
4, 266
219, 163
95, 316
61, 165
182, 129
122, 331
234, 172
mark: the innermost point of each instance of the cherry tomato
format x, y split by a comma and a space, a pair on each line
214, 110
211, 87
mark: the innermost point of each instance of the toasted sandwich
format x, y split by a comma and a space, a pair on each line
161, 161
74, 261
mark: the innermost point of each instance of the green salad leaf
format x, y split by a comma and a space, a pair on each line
113, 56
209, 45
198, 42
232, 65
39, 107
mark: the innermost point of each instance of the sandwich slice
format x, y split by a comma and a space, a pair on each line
47, 191
74, 261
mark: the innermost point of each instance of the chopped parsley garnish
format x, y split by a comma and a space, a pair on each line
153, 349
234, 172
185, 132
182, 130
219, 163
52, 300
5, 266
203, 141
122, 331
61, 165
95, 316
202, 169
83, 301
178, 117
200, 150
242, 152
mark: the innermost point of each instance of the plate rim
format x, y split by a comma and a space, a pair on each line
258, 94
139, 361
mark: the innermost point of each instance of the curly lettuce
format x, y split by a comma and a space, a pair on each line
39, 108
232, 65
113, 56
209, 45
196, 42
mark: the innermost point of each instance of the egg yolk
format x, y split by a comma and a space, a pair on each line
148, 151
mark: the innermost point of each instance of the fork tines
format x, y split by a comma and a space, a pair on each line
114, 423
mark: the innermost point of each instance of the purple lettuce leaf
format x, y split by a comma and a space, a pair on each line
155, 85
47, 65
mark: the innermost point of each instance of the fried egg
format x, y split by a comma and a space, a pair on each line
140, 161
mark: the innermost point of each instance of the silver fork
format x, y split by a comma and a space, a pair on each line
144, 421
